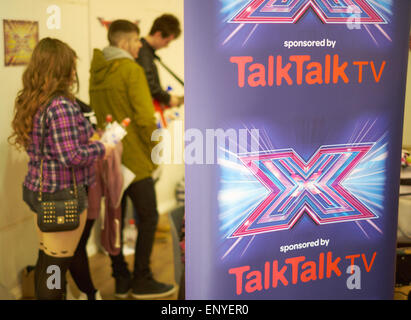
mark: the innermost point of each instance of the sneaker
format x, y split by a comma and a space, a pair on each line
148, 288
123, 285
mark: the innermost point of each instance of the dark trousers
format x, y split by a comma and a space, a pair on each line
143, 197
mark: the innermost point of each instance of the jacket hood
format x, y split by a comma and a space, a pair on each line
111, 53
105, 62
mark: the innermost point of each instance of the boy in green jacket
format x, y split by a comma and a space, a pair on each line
118, 86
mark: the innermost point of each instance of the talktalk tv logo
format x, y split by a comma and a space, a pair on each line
290, 11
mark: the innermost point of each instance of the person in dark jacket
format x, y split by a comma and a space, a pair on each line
164, 30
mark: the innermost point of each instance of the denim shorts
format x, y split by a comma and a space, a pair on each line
31, 197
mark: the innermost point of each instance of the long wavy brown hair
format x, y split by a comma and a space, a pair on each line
51, 72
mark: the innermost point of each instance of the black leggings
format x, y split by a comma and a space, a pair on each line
50, 277
79, 267
46, 287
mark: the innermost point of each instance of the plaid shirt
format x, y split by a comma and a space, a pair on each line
66, 146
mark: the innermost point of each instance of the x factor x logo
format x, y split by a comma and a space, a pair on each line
290, 11
297, 187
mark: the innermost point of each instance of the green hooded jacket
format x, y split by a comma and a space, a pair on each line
118, 86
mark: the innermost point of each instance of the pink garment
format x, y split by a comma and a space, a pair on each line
109, 184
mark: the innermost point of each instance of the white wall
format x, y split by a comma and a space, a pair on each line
81, 30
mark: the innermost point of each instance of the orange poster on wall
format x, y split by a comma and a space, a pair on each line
20, 38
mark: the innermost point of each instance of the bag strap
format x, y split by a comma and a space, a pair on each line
42, 142
169, 70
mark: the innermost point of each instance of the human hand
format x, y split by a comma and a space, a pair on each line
176, 101
108, 147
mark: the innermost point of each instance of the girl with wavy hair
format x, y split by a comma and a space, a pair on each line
47, 103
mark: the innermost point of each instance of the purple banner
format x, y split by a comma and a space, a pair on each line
294, 114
